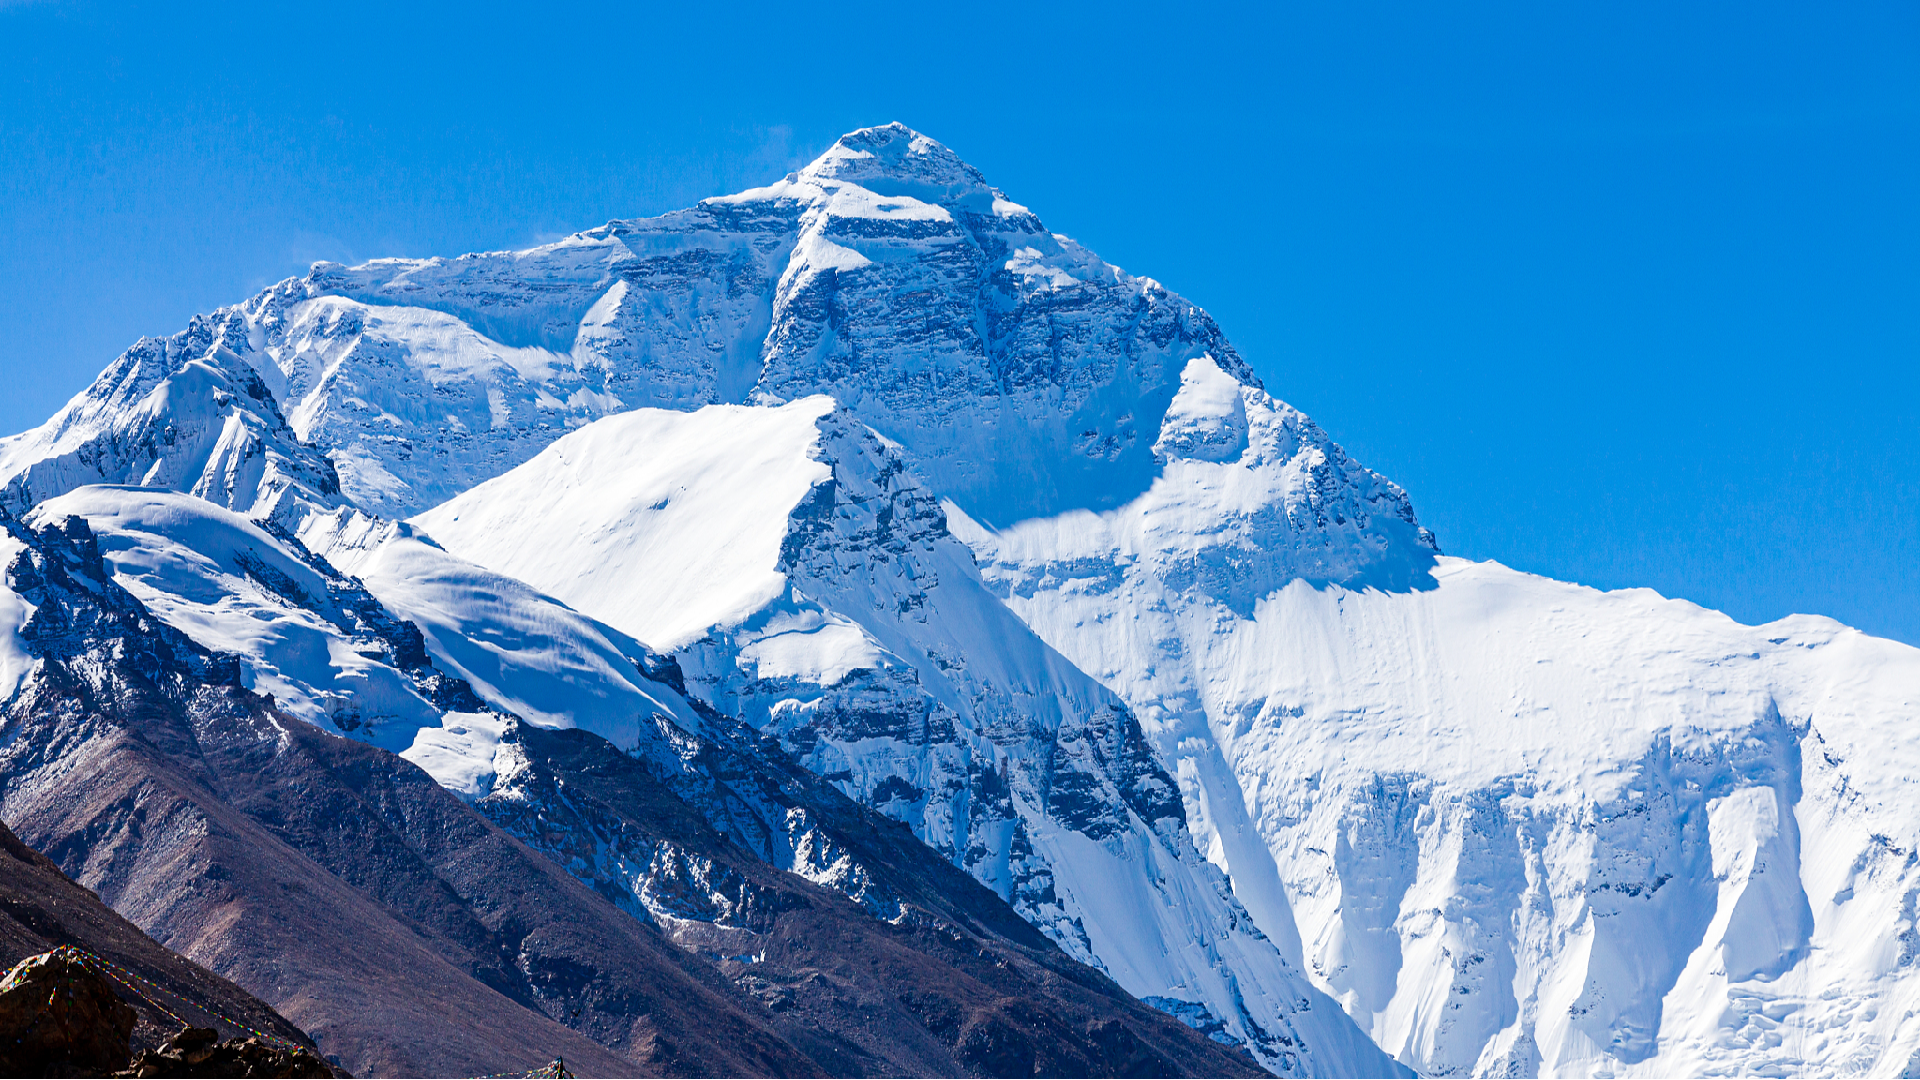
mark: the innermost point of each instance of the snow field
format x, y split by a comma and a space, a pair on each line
1518, 824
673, 522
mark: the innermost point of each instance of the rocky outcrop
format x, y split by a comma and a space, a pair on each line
62, 1014
59, 1016
200, 1052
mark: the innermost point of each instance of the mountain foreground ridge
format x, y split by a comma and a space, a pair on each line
41, 910
866, 474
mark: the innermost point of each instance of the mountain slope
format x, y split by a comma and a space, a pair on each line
1524, 827
413, 936
394, 924
949, 982
42, 909
811, 589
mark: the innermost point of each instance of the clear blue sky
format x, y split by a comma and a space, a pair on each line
1625, 293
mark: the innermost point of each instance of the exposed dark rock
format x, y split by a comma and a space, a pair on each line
200, 1052
60, 1017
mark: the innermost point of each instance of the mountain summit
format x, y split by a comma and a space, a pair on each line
1027, 375
863, 498
895, 160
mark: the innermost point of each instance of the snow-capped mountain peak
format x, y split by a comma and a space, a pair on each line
894, 160
186, 413
1011, 546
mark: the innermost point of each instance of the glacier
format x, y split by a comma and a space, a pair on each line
1012, 546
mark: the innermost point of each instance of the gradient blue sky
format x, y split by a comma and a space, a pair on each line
1625, 293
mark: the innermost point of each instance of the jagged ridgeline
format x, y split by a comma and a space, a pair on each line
846, 627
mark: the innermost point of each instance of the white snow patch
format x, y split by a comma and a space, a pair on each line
459, 754
16, 662
815, 252
782, 189
447, 350
663, 524
1208, 416
811, 645
854, 201
604, 310
1037, 267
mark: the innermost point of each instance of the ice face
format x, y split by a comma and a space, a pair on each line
1521, 826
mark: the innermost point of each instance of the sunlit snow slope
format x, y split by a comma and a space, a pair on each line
811, 588
1522, 826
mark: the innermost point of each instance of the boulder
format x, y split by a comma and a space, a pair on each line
60, 1017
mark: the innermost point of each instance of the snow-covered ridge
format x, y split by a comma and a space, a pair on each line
1523, 827
823, 602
